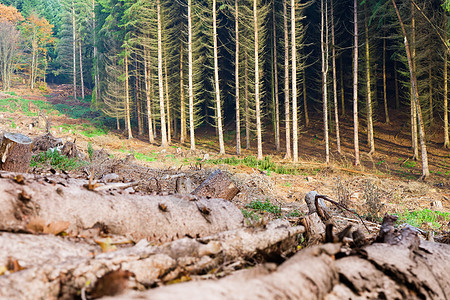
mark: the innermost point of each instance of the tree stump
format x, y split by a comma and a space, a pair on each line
217, 185
15, 152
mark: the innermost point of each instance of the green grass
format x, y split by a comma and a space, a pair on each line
56, 160
427, 217
250, 215
250, 161
263, 207
143, 157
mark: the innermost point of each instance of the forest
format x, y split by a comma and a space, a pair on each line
164, 69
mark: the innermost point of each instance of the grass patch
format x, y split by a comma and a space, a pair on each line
263, 207
56, 160
425, 217
143, 157
250, 161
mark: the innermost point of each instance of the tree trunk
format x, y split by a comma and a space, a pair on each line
81, 68
430, 88
148, 89
275, 89
160, 81
236, 78
286, 83
169, 131
342, 87
425, 170
15, 152
355, 82
138, 96
335, 92
397, 96
190, 78
183, 132
386, 112
74, 52
305, 98
217, 185
127, 98
324, 55
294, 86
216, 83
257, 83
414, 142
446, 136
96, 72
370, 137
247, 108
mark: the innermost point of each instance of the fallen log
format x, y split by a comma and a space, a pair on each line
15, 152
378, 271
148, 263
158, 218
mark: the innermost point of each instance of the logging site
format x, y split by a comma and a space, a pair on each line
224, 149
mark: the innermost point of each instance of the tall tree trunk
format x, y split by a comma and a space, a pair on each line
138, 93
286, 84
190, 79
127, 98
386, 112
370, 136
397, 96
355, 81
305, 98
425, 170
324, 55
96, 72
247, 108
216, 82
81, 68
236, 77
169, 131
335, 93
257, 96
148, 88
414, 142
446, 137
342, 87
430, 87
74, 52
275, 90
160, 81
183, 131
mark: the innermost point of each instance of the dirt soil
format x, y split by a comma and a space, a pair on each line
390, 173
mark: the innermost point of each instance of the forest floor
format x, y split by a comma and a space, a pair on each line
388, 181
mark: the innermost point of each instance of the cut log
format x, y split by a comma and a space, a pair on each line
48, 279
217, 185
311, 203
315, 228
158, 218
378, 271
15, 152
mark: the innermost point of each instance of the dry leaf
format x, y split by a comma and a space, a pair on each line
56, 227
3, 270
36, 225
106, 245
111, 284
13, 265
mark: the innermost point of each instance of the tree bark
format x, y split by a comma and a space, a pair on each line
183, 132
190, 78
217, 185
148, 93
81, 68
294, 86
257, 83
324, 56
216, 83
355, 82
169, 131
236, 78
286, 84
446, 136
386, 112
164, 142
370, 137
275, 90
335, 92
425, 169
127, 98
74, 52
